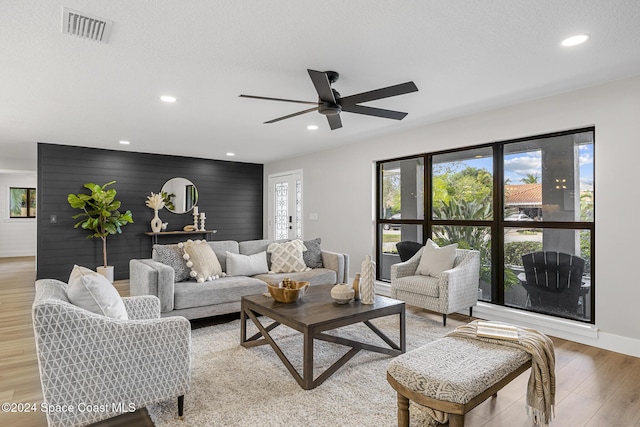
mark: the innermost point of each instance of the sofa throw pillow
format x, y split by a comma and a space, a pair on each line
93, 292
246, 265
202, 261
313, 255
172, 255
435, 259
287, 257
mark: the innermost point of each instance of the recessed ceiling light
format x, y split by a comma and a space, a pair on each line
575, 40
168, 98
231, 154
312, 127
125, 142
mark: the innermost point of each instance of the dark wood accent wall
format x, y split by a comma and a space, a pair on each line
230, 194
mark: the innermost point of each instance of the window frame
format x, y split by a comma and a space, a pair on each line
29, 191
497, 225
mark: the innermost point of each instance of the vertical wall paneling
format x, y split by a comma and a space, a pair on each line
230, 193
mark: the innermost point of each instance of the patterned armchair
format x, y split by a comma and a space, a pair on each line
453, 290
101, 366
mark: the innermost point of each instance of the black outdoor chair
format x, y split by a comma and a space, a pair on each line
553, 281
407, 249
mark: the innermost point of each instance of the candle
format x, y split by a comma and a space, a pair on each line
202, 215
195, 210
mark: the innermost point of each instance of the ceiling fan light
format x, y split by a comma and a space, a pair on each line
575, 40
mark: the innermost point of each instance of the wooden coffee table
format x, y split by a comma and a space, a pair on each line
314, 314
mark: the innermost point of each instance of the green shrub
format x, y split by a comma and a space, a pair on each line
513, 251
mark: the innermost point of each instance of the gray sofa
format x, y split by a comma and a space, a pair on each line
221, 296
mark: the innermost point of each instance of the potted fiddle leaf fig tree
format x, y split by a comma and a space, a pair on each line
100, 215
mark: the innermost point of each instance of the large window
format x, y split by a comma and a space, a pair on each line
526, 205
22, 203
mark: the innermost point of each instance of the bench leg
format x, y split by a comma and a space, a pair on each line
403, 411
456, 420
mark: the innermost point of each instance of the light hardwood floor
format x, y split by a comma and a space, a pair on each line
595, 387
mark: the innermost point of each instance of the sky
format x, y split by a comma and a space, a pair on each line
518, 165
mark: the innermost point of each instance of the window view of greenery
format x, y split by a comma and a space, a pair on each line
22, 202
546, 181
462, 189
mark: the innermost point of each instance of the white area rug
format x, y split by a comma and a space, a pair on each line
236, 386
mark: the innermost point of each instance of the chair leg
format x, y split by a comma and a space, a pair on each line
470, 312
180, 406
444, 319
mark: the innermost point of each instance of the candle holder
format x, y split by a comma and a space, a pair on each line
195, 220
202, 218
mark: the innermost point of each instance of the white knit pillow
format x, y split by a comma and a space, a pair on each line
202, 261
287, 257
435, 259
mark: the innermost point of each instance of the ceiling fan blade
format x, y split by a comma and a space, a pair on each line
385, 92
322, 85
334, 121
370, 111
278, 99
292, 115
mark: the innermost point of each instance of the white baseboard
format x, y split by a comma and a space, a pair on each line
562, 328
12, 254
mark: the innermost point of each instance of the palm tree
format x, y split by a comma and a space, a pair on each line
530, 179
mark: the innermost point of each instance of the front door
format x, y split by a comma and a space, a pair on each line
285, 205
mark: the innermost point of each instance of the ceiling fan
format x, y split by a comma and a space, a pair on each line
331, 104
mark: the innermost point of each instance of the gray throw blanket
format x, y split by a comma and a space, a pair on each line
541, 389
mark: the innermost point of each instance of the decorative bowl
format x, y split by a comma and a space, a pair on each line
288, 295
342, 294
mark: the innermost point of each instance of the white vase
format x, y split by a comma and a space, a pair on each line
156, 223
106, 272
367, 281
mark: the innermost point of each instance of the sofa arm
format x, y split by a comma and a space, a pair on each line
142, 307
337, 262
149, 277
408, 267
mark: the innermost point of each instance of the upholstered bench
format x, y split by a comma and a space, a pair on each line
453, 375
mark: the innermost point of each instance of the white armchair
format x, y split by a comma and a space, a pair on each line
453, 290
118, 365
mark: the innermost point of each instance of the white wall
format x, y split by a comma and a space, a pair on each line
17, 236
339, 186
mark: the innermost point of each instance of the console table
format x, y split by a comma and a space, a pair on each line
208, 234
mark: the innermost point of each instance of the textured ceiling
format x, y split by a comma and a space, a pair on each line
465, 56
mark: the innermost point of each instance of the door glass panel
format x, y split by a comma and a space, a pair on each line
282, 210
462, 185
299, 209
